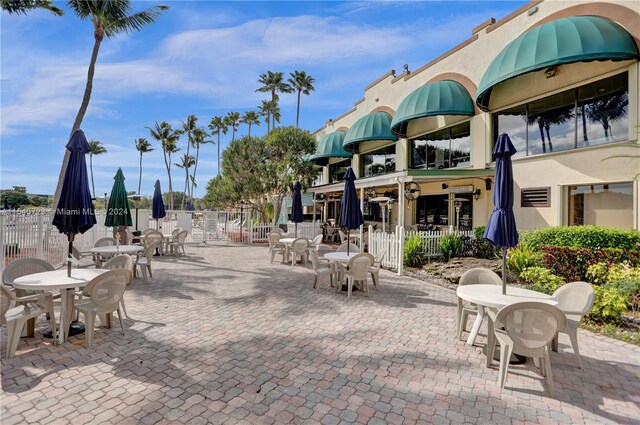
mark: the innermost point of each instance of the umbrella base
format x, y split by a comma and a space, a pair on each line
515, 358
74, 329
345, 288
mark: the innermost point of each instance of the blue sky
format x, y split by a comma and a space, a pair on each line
202, 58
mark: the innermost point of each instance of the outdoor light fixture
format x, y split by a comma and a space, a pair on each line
487, 184
551, 71
476, 194
444, 186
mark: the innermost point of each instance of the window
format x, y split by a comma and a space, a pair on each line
380, 161
535, 197
337, 170
593, 114
432, 210
608, 205
372, 211
445, 148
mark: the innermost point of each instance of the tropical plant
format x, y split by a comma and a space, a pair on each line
271, 111
168, 138
109, 18
302, 84
143, 146
217, 126
250, 118
25, 6
450, 246
273, 82
608, 306
187, 128
414, 251
186, 162
233, 120
96, 148
199, 138
523, 257
541, 279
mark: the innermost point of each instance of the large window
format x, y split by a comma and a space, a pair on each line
608, 205
432, 210
380, 161
445, 148
372, 211
337, 170
589, 115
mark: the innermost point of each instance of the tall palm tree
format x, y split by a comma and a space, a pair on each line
96, 148
271, 111
24, 6
199, 138
186, 162
233, 120
168, 138
302, 84
273, 82
109, 18
142, 146
217, 126
187, 127
250, 118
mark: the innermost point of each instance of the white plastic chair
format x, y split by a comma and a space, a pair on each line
357, 271
575, 299
148, 230
525, 328
275, 246
353, 248
85, 260
23, 267
155, 236
178, 242
377, 264
144, 261
299, 249
321, 267
343, 236
476, 276
122, 261
316, 242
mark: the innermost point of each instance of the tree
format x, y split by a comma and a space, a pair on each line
109, 18
186, 163
302, 84
14, 7
273, 82
233, 120
271, 111
168, 138
13, 199
142, 146
188, 127
199, 138
250, 118
96, 149
217, 126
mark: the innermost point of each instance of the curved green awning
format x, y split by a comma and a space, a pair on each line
445, 97
566, 40
375, 126
330, 146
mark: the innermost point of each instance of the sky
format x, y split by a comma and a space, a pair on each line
202, 58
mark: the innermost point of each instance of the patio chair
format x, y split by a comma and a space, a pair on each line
475, 276
104, 292
144, 261
525, 328
357, 270
148, 230
178, 242
343, 236
107, 241
85, 259
125, 262
575, 299
176, 231
377, 264
316, 242
23, 267
299, 249
155, 236
275, 246
352, 247
321, 267
25, 311
331, 234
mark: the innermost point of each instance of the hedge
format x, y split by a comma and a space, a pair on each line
583, 237
572, 263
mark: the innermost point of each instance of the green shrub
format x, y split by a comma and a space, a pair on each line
629, 288
478, 232
585, 237
608, 306
623, 271
414, 252
598, 273
481, 247
523, 257
450, 246
573, 263
541, 280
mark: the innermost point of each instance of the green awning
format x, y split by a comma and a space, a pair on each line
438, 98
566, 40
375, 126
330, 146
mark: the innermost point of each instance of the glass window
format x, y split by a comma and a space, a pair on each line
372, 211
432, 210
380, 161
551, 124
337, 170
608, 205
513, 122
445, 148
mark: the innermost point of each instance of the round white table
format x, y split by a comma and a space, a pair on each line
115, 250
287, 244
342, 257
491, 296
58, 279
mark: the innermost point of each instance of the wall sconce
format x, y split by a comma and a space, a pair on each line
551, 71
487, 184
476, 194
444, 186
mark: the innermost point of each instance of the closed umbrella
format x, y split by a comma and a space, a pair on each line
501, 229
296, 207
157, 209
74, 213
350, 213
118, 211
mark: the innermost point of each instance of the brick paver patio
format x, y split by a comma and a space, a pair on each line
222, 336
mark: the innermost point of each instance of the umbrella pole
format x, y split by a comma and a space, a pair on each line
70, 253
348, 244
504, 271
296, 230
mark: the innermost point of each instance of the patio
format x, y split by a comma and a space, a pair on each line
222, 336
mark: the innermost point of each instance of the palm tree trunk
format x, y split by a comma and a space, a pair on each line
93, 187
140, 178
585, 138
541, 127
249, 130
233, 134
195, 170
298, 109
186, 187
168, 165
218, 152
83, 109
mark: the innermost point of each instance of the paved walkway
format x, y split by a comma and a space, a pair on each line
222, 336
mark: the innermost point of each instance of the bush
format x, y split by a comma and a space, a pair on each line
480, 247
541, 280
478, 232
584, 237
450, 246
523, 257
630, 289
623, 271
598, 273
608, 306
414, 252
573, 263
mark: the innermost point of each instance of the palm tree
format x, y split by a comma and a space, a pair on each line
233, 120
188, 127
271, 111
109, 18
250, 118
168, 138
199, 138
142, 146
187, 162
273, 82
302, 84
25, 6
96, 148
217, 126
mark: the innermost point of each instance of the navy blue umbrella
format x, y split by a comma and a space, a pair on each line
74, 213
296, 206
501, 229
157, 209
350, 213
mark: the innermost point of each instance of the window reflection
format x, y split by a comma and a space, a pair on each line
337, 170
608, 205
513, 122
602, 112
445, 148
551, 124
380, 161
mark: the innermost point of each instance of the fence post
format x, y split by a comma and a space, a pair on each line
400, 249
40, 238
2, 230
250, 228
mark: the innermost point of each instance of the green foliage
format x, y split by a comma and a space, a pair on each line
450, 246
573, 263
623, 271
541, 279
630, 289
609, 305
14, 199
598, 273
523, 257
584, 237
414, 251
478, 232
481, 247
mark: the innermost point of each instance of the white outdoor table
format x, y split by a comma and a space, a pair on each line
115, 250
287, 244
58, 279
491, 296
339, 257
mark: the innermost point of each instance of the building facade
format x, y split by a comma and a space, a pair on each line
560, 78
